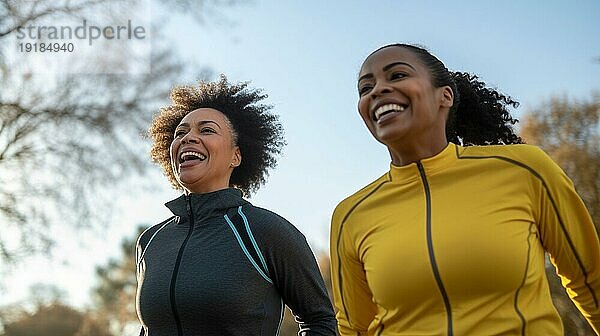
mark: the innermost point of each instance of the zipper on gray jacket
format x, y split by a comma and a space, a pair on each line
434, 266
176, 268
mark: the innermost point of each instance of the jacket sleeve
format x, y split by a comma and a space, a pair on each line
352, 297
295, 273
569, 236
139, 248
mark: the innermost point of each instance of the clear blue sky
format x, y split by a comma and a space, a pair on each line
306, 55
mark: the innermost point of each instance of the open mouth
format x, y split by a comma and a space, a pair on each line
388, 109
191, 157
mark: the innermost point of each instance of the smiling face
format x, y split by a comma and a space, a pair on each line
398, 103
203, 152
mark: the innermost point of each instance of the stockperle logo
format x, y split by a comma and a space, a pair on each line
82, 32
111, 39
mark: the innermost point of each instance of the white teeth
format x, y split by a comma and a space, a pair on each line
386, 108
200, 156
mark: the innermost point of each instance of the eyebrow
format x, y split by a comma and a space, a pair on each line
200, 123
386, 68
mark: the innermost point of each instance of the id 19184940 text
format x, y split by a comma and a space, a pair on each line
45, 47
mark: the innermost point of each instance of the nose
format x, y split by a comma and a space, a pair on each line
380, 88
189, 137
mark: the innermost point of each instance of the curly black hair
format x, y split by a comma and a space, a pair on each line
479, 115
257, 132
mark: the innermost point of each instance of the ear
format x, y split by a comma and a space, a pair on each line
237, 157
447, 97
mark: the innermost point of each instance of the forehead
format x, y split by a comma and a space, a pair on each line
376, 61
205, 114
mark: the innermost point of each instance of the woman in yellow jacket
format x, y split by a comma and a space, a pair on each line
451, 240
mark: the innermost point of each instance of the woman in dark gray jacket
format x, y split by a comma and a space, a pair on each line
221, 266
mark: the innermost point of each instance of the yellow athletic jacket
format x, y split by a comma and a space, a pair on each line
454, 245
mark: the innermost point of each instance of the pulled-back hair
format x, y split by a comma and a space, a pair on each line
479, 115
256, 131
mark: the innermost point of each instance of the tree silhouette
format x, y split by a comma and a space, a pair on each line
68, 141
114, 295
55, 319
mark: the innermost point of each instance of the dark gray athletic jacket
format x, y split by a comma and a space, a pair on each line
222, 266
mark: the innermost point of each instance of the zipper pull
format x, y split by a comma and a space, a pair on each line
420, 167
188, 203
189, 209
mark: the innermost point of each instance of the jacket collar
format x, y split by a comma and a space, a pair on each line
431, 165
205, 205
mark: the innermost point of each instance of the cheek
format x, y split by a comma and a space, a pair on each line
173, 150
363, 109
218, 149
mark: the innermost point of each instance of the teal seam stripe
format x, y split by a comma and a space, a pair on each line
280, 317
260, 256
148, 244
239, 239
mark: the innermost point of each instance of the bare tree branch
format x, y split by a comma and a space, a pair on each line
34, 15
60, 144
66, 147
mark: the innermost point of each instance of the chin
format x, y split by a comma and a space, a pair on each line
392, 140
187, 181
386, 138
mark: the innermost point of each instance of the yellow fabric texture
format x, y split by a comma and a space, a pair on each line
454, 245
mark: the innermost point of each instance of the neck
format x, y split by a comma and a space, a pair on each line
404, 155
203, 189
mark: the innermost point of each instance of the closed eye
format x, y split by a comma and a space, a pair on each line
364, 89
397, 75
179, 133
207, 130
